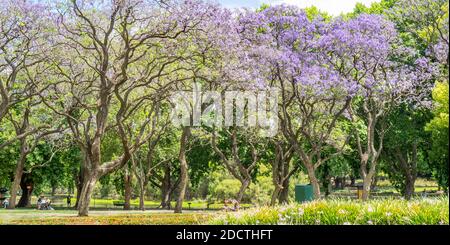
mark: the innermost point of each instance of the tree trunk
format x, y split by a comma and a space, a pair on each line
142, 201
183, 169
86, 193
275, 195
165, 190
165, 202
79, 185
329, 186
373, 186
313, 180
367, 182
17, 176
128, 190
409, 169
77, 201
244, 185
368, 179
409, 188
27, 186
280, 176
284, 194
53, 190
142, 191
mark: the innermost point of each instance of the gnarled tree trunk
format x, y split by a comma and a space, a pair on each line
27, 186
18, 172
275, 195
284, 194
408, 166
281, 173
367, 180
142, 192
245, 183
183, 169
166, 189
374, 145
128, 177
89, 181
409, 187
313, 180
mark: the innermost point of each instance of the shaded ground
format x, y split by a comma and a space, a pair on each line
114, 217
59, 202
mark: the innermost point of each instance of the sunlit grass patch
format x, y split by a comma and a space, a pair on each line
128, 219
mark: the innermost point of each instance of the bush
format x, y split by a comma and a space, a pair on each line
226, 188
342, 212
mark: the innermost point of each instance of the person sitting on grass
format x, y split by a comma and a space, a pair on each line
48, 203
234, 205
5, 203
41, 203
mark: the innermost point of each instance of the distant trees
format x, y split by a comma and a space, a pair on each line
438, 127
403, 161
423, 28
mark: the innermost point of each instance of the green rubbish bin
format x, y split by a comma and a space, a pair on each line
304, 193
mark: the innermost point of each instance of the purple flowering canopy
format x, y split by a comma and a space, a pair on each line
358, 56
366, 52
22, 32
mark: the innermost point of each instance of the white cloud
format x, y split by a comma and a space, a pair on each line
333, 7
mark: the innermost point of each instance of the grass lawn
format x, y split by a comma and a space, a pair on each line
341, 207
328, 212
59, 202
385, 189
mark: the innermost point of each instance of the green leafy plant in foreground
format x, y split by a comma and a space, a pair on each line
345, 212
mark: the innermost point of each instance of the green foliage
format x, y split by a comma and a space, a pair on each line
313, 12
226, 188
200, 158
7, 164
374, 8
222, 187
260, 192
339, 212
406, 126
263, 7
438, 127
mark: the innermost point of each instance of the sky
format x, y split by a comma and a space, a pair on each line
333, 7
